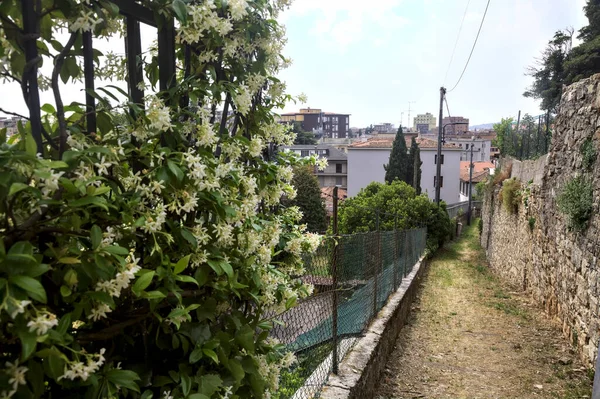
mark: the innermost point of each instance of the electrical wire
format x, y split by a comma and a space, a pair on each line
456, 42
473, 48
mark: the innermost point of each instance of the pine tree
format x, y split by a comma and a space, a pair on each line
415, 165
398, 166
309, 200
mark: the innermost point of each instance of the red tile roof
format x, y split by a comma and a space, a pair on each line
480, 170
388, 142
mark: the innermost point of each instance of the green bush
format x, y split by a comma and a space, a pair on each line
588, 152
511, 196
480, 225
531, 223
576, 201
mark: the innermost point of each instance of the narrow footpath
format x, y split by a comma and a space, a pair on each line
470, 335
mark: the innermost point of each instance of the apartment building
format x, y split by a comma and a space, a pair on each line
456, 129
323, 124
423, 123
336, 173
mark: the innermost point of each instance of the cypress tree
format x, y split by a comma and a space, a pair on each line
415, 161
309, 200
398, 166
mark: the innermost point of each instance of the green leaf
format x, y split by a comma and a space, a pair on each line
30, 145
142, 282
211, 353
236, 369
245, 338
182, 264
65, 291
64, 324
96, 236
28, 343
216, 266
146, 395
180, 10
198, 396
186, 384
189, 237
124, 378
89, 200
69, 261
196, 355
186, 279
176, 170
226, 266
210, 384
116, 250
48, 108
34, 288
17, 187
153, 295
104, 122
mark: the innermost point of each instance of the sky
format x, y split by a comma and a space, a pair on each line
375, 59
371, 58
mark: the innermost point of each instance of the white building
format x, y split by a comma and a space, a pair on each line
366, 160
424, 122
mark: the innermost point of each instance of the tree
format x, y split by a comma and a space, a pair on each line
399, 166
309, 200
415, 162
302, 136
503, 136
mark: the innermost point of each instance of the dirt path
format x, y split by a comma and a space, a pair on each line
472, 336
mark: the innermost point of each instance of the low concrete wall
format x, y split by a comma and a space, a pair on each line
360, 371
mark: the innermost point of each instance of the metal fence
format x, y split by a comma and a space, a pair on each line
461, 208
353, 277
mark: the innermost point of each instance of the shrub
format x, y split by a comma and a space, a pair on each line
511, 196
576, 201
145, 259
502, 174
588, 152
531, 223
480, 225
308, 199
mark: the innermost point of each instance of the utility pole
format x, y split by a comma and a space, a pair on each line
438, 170
517, 135
470, 186
401, 118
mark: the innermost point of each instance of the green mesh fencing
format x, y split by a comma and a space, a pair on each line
370, 267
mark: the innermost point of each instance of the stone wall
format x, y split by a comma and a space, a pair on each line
557, 266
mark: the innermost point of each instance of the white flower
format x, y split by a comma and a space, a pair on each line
302, 98
322, 163
80, 370
42, 323
99, 312
103, 166
288, 360
238, 9
50, 185
17, 375
167, 395
19, 308
158, 115
85, 22
243, 100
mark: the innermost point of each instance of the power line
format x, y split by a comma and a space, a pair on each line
456, 42
473, 48
447, 108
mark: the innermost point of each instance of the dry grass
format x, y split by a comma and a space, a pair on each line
503, 174
472, 336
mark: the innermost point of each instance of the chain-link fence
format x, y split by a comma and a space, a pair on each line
353, 276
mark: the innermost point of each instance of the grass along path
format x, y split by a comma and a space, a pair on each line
472, 336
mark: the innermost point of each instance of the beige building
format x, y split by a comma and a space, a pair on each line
424, 122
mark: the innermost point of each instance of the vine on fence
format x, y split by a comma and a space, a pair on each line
138, 260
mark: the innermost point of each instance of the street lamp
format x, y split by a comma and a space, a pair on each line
470, 186
438, 171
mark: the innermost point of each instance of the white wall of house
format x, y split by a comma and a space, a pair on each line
365, 165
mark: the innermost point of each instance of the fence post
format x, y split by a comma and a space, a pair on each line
396, 257
334, 272
377, 264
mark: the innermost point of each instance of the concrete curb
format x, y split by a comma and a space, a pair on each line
361, 370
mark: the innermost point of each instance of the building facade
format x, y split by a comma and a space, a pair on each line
323, 124
336, 172
423, 123
384, 128
10, 124
481, 171
366, 162
456, 129
481, 148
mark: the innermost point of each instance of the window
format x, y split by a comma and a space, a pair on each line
338, 181
334, 119
441, 181
334, 128
460, 145
435, 159
338, 168
483, 145
304, 153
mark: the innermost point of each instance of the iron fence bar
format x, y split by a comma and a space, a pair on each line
166, 54
133, 49
88, 72
377, 264
334, 272
30, 83
396, 258
130, 9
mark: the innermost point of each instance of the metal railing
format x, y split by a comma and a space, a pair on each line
461, 208
353, 276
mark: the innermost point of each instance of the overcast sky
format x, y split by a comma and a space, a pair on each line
370, 58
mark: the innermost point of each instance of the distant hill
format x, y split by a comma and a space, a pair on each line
483, 126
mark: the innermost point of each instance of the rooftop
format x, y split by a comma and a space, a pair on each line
334, 153
388, 142
480, 170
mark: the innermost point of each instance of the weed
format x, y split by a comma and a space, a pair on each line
509, 308
501, 175
511, 196
531, 223
501, 294
480, 225
577, 201
588, 152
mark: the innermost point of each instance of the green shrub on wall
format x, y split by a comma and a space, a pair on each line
511, 196
576, 201
588, 152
